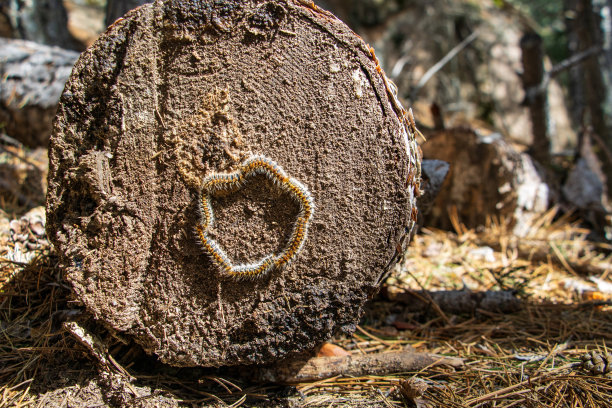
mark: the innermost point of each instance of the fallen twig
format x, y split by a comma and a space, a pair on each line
457, 301
319, 368
95, 347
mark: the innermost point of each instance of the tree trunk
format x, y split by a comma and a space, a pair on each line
33, 79
535, 98
590, 92
576, 72
199, 144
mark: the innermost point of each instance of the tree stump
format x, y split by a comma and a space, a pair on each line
488, 179
193, 142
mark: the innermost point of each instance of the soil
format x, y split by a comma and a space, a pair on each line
179, 90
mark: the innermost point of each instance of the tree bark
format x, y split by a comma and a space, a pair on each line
588, 87
535, 99
193, 142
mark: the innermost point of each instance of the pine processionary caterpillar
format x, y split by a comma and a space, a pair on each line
219, 183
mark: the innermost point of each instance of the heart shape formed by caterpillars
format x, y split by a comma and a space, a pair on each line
232, 182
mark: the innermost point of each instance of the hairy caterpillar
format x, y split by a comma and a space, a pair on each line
223, 183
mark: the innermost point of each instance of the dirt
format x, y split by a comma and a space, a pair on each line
177, 91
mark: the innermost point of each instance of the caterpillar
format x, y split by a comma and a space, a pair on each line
225, 183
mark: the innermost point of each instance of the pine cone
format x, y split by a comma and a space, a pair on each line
411, 390
597, 363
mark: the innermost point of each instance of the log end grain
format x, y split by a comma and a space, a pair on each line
181, 90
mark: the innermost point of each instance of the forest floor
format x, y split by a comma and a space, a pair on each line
532, 356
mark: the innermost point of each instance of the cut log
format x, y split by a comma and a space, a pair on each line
33, 76
487, 178
199, 142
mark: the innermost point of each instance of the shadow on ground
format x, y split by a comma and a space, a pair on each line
41, 362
